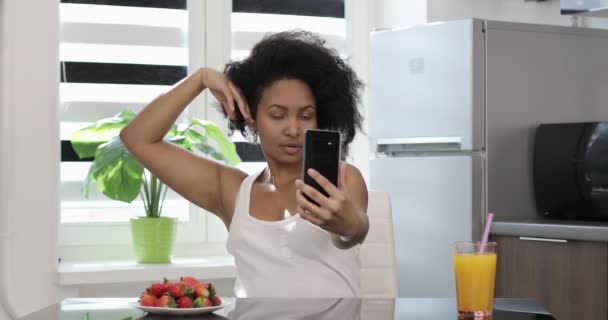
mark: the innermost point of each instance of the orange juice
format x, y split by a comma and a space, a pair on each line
475, 274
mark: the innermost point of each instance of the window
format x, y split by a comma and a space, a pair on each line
117, 55
251, 20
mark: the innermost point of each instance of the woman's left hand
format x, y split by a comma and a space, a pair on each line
338, 213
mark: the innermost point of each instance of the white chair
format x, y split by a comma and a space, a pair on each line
378, 261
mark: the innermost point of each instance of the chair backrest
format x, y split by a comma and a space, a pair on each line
378, 261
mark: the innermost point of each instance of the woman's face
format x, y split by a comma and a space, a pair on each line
286, 109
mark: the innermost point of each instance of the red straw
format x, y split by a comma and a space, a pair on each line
486, 232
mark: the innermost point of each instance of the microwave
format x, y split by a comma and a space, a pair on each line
570, 170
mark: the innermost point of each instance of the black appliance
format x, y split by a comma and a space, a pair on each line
570, 168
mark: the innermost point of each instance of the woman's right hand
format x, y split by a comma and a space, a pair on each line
226, 93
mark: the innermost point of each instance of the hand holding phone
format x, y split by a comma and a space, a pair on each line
322, 152
338, 214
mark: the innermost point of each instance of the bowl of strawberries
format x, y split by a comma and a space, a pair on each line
184, 297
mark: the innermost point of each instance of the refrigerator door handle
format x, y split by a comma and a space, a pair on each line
419, 144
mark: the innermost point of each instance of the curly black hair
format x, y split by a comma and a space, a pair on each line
300, 55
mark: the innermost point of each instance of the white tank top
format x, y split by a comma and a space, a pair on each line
287, 258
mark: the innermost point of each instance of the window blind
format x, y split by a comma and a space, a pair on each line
114, 55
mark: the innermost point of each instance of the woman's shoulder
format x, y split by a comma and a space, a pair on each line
235, 178
232, 175
354, 182
353, 173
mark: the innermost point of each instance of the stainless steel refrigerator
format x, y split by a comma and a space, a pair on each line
426, 122
452, 111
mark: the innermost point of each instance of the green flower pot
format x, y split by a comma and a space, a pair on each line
153, 239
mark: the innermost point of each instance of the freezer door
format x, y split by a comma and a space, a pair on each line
435, 202
427, 82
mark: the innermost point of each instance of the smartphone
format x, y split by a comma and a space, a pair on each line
322, 152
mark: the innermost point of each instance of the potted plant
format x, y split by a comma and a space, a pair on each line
119, 176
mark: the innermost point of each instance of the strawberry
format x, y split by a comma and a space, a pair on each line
216, 300
209, 288
201, 302
189, 280
178, 290
184, 302
165, 301
147, 300
157, 289
200, 290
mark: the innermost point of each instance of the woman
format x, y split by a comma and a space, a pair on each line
283, 244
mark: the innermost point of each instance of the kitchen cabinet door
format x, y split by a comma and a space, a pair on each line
569, 278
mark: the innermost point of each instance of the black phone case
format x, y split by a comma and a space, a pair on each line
322, 151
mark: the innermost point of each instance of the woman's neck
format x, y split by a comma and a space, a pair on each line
281, 176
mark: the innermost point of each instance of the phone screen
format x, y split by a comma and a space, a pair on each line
322, 153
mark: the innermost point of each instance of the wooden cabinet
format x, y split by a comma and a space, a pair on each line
569, 278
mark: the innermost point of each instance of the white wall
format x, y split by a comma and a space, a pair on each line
29, 203
360, 22
398, 13
547, 12
3, 234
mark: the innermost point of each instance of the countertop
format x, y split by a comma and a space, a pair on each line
553, 229
269, 309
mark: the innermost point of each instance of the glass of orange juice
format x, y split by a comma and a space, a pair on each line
475, 270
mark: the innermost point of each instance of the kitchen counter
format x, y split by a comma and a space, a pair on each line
553, 229
270, 309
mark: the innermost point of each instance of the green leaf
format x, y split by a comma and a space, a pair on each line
226, 146
195, 141
86, 316
173, 131
206, 149
118, 174
194, 136
85, 141
180, 140
177, 139
218, 156
87, 181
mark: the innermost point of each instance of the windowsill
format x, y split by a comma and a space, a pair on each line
97, 272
